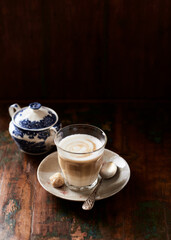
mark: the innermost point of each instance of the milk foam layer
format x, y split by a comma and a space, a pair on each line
82, 144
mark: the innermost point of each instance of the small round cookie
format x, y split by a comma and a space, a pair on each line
57, 180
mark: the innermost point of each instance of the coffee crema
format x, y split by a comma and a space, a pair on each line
83, 144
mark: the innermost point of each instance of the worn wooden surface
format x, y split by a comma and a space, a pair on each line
139, 132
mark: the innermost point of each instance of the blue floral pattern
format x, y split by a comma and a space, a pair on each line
30, 127
47, 121
31, 134
33, 142
31, 147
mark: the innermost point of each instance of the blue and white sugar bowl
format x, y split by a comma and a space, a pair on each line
30, 127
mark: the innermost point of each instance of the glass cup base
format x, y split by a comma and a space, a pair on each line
82, 188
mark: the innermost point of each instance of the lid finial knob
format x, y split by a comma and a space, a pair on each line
35, 105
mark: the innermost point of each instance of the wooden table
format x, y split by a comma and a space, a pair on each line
140, 132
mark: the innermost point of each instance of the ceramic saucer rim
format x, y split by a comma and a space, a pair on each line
81, 196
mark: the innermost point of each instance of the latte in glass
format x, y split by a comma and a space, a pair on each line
80, 154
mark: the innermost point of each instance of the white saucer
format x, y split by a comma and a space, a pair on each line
49, 166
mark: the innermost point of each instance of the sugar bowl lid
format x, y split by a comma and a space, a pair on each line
33, 117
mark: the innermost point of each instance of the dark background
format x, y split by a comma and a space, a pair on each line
85, 49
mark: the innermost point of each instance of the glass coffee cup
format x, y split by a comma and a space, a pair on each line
80, 154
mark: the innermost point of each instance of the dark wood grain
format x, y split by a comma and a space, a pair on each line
107, 49
140, 133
